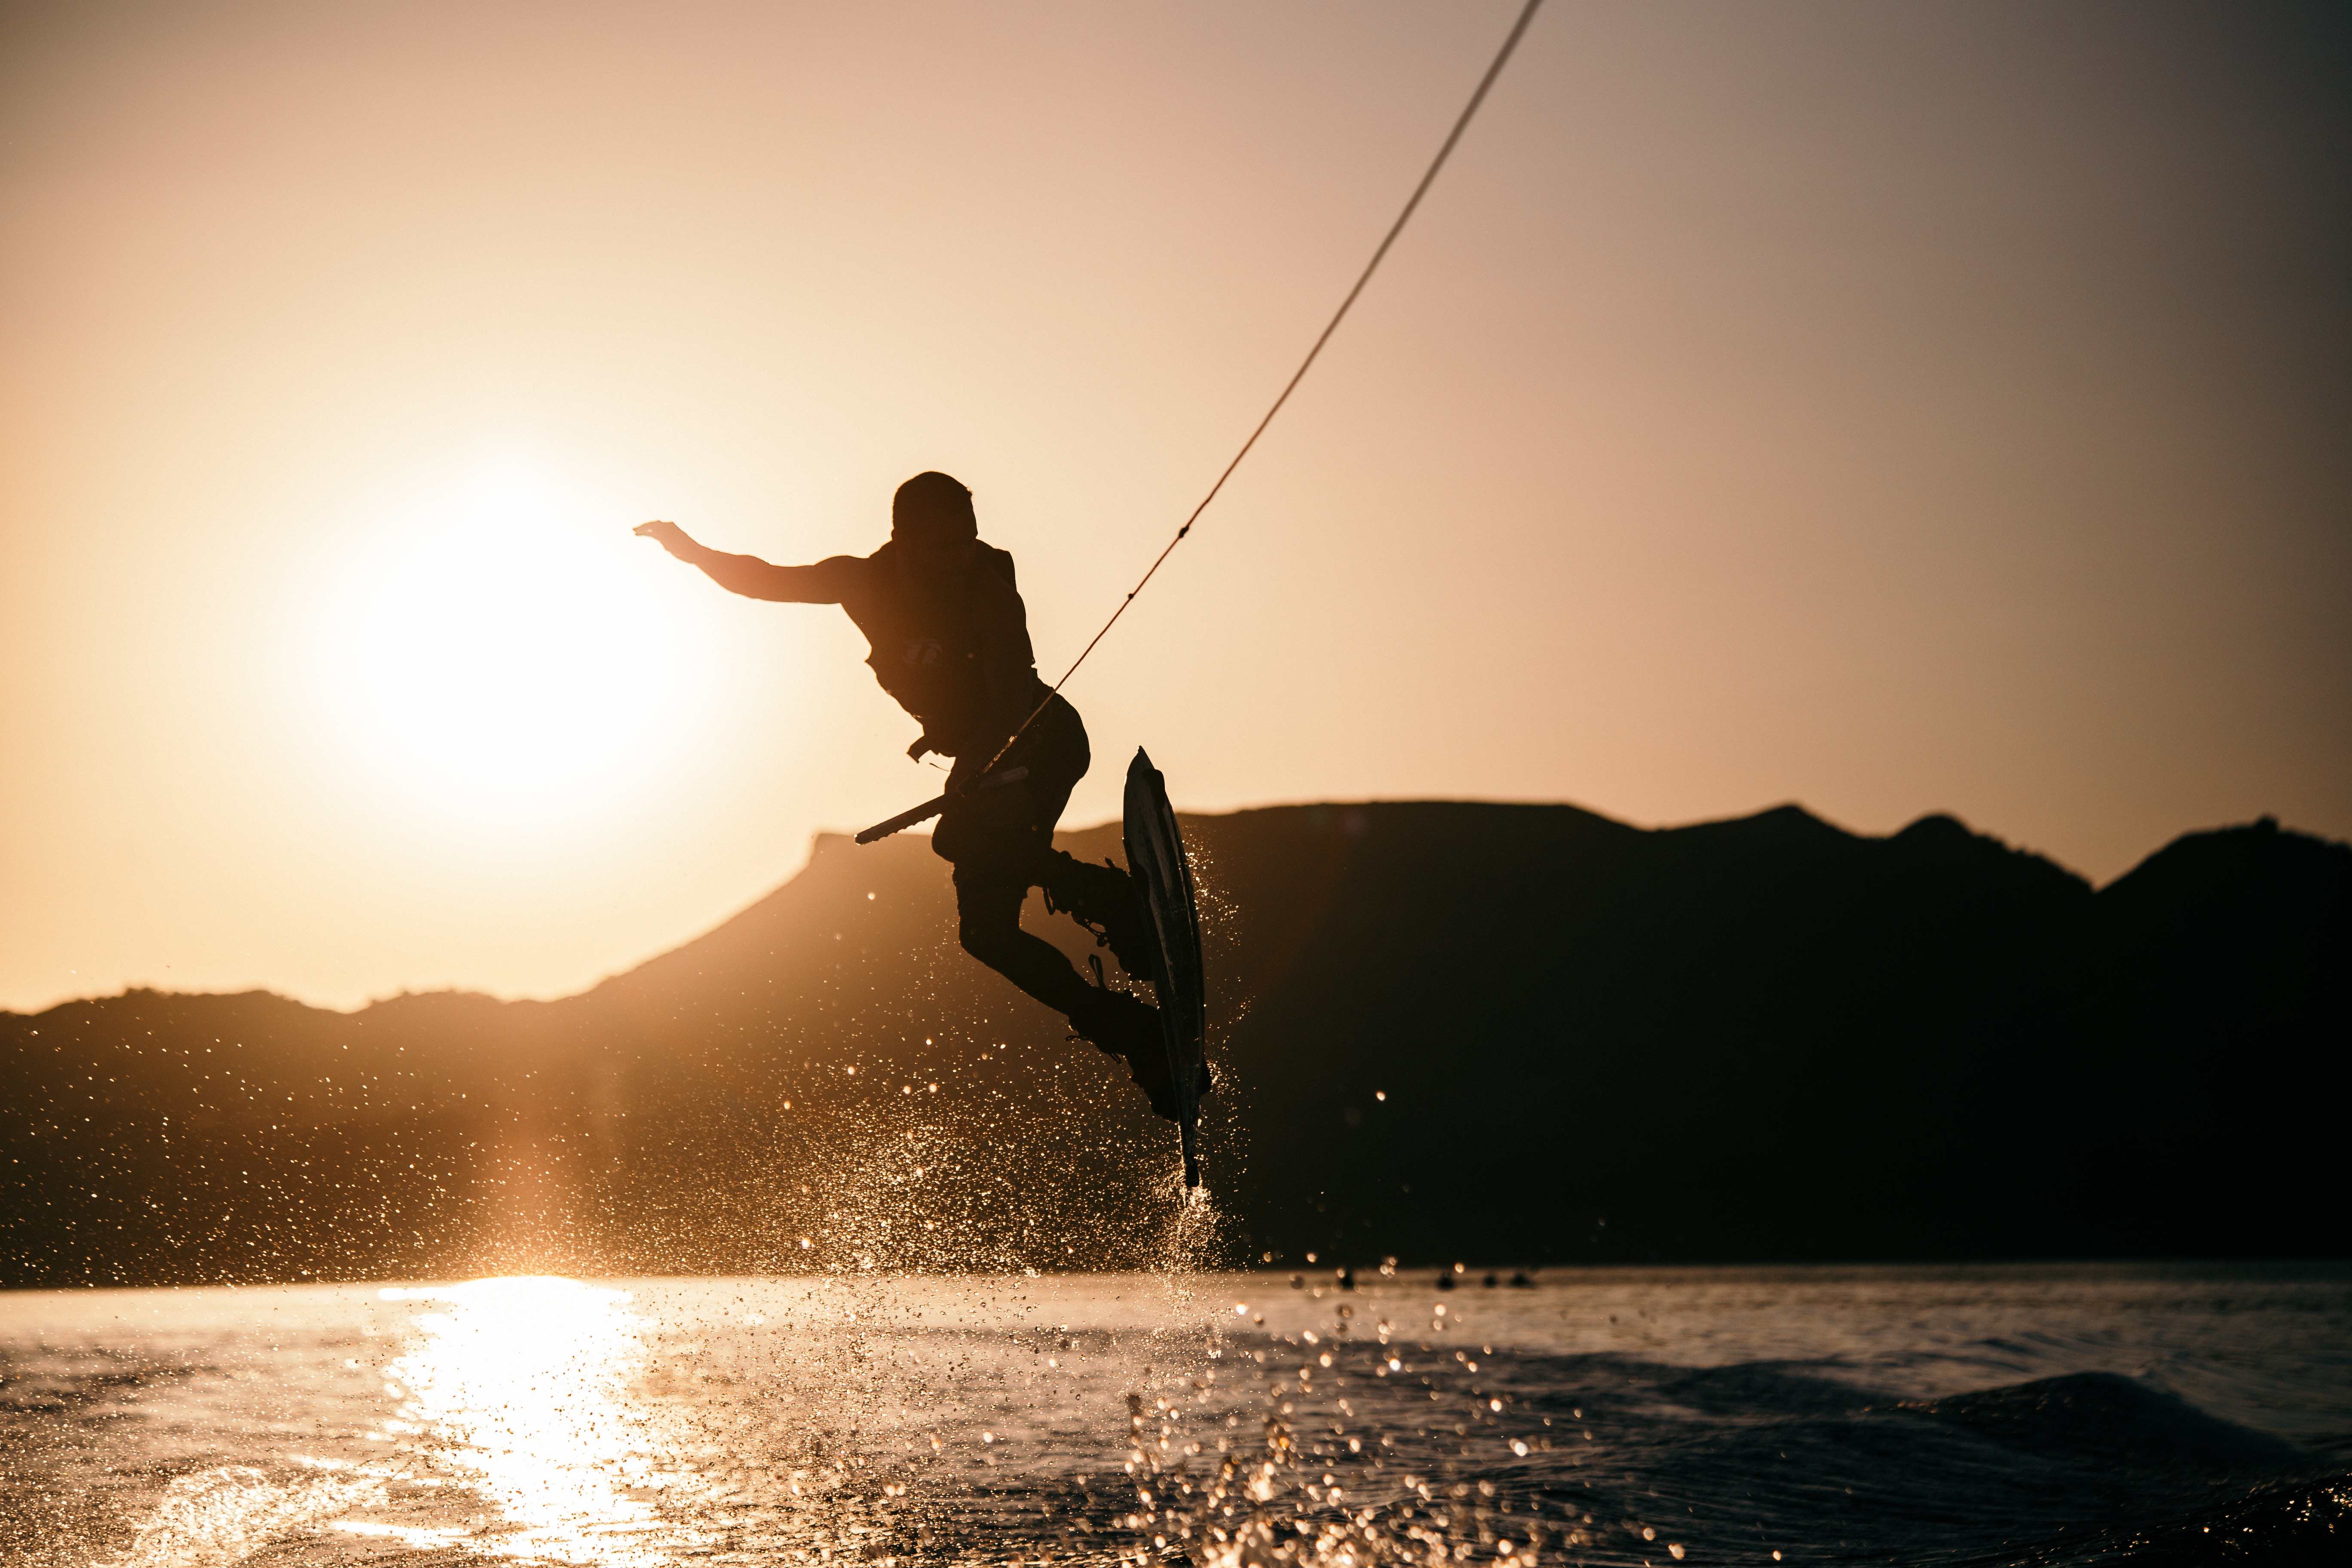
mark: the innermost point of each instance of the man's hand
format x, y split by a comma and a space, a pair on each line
670, 537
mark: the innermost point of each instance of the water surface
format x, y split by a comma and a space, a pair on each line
1931, 1416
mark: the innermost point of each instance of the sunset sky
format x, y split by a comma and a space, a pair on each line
1889, 408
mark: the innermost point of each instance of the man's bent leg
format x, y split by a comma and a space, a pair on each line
988, 922
988, 911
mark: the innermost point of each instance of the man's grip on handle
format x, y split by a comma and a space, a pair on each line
931, 808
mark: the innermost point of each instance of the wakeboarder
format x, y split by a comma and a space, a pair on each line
949, 642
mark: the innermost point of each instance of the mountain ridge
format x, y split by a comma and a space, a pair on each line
1448, 1028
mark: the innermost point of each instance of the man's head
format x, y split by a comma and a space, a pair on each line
932, 514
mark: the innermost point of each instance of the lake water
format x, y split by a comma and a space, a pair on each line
2062, 1415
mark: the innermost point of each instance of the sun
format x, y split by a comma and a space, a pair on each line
505, 650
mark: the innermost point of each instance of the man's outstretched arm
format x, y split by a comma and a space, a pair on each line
826, 582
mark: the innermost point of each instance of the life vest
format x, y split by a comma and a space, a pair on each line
918, 632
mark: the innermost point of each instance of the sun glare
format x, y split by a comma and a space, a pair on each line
509, 650
523, 1385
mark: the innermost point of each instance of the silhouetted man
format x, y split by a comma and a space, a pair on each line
949, 641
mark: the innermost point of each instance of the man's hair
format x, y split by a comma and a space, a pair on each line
932, 506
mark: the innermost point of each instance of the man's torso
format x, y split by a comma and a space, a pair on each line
950, 647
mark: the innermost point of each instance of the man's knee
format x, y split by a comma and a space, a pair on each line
987, 918
989, 925
987, 941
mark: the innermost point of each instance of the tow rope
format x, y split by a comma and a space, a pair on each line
1445, 150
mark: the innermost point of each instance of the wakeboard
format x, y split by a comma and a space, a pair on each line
1163, 879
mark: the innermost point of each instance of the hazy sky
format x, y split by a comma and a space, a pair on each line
1891, 408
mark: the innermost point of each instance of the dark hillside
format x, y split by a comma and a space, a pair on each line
1758, 1038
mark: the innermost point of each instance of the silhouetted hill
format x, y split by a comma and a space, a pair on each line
1510, 1032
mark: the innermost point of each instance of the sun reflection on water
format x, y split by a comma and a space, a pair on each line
522, 1388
